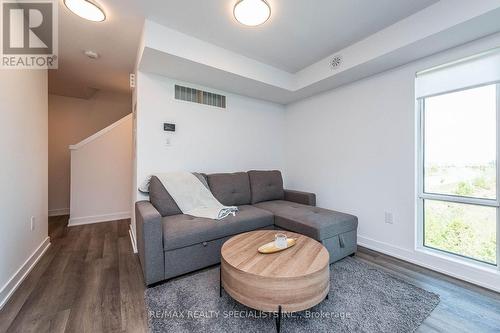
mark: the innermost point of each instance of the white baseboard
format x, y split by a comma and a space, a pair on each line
73, 221
59, 212
15, 281
132, 238
486, 278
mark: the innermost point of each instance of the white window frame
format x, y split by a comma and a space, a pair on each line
421, 195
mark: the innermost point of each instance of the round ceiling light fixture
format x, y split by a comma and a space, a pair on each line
252, 12
86, 9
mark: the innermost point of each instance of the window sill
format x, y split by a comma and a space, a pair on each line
471, 263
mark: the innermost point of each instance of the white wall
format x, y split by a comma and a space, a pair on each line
70, 121
23, 176
101, 175
355, 147
248, 134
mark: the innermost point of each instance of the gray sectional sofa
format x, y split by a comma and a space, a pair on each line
171, 243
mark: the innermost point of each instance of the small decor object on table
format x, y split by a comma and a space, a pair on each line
281, 242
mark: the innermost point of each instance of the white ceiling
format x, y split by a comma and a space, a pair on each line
116, 40
441, 26
299, 32
290, 47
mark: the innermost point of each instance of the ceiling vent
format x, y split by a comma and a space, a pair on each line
198, 96
336, 62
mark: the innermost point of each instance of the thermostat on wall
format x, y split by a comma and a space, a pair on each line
169, 127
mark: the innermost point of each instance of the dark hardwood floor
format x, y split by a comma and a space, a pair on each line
90, 281
463, 307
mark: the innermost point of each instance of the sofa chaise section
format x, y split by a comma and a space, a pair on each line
295, 211
337, 231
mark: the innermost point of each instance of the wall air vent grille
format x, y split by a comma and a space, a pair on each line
336, 62
198, 96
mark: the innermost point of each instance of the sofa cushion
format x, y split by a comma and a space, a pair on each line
185, 230
161, 199
266, 185
231, 189
315, 222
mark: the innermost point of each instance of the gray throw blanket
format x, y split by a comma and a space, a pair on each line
193, 197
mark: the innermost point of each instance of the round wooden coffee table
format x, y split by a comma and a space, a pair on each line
292, 280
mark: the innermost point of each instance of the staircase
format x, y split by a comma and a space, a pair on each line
101, 175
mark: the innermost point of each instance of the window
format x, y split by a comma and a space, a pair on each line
458, 191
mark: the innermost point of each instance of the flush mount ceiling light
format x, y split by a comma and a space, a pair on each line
252, 12
86, 9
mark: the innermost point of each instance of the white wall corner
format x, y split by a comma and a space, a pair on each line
15, 281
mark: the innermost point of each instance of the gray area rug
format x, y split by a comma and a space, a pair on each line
362, 299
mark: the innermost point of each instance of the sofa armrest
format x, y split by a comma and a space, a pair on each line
305, 198
150, 241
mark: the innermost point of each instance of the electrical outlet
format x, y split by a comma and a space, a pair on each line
33, 222
389, 218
